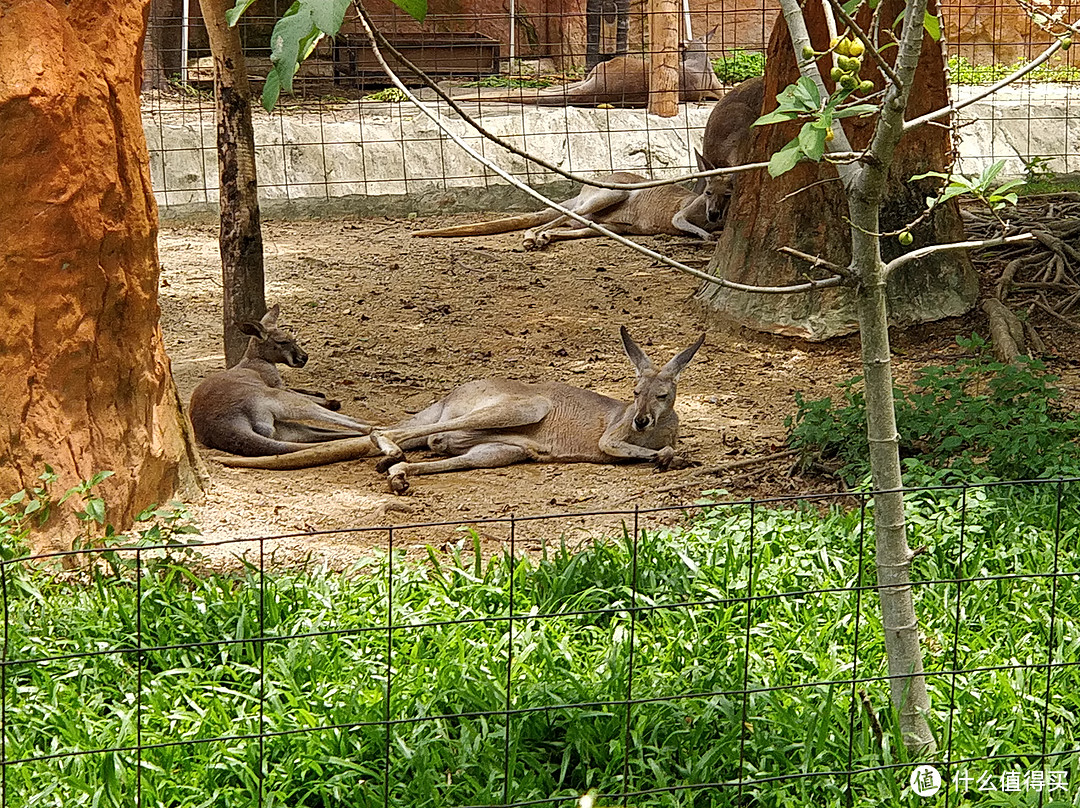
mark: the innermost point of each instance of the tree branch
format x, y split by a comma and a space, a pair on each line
818, 261
922, 252
1011, 79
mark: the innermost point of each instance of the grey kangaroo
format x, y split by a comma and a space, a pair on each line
624, 81
247, 410
665, 209
726, 142
496, 422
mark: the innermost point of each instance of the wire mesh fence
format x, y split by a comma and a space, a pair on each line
712, 654
346, 137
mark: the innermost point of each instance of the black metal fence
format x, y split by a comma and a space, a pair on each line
711, 654
338, 140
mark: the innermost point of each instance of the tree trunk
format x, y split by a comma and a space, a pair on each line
162, 57
792, 210
240, 237
664, 58
85, 384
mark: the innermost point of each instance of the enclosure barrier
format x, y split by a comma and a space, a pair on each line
708, 654
345, 144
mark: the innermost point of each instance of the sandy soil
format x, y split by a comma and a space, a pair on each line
391, 323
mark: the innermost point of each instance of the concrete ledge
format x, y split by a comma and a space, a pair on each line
389, 159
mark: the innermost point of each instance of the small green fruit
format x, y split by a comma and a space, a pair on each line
866, 87
808, 52
849, 82
1066, 42
856, 49
906, 238
843, 46
836, 74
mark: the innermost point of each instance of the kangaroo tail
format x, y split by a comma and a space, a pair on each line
506, 225
319, 455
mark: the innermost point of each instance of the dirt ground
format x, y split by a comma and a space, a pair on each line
391, 323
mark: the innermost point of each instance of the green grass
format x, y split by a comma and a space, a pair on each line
964, 71
694, 638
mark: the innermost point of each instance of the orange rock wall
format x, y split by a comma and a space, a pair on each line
84, 380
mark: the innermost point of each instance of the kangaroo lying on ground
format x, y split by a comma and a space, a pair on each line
496, 422
623, 81
665, 209
246, 409
726, 142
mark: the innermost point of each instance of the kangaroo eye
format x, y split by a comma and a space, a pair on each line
661, 396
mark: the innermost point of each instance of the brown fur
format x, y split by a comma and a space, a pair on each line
665, 209
623, 81
495, 422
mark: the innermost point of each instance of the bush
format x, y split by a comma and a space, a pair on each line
976, 415
739, 65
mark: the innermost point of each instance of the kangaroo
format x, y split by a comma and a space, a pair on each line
665, 209
496, 422
726, 142
246, 410
623, 81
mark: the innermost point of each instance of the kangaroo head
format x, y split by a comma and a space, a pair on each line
696, 50
715, 190
654, 393
270, 342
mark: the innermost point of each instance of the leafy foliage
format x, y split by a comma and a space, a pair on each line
803, 100
977, 415
739, 65
981, 187
299, 31
765, 599
964, 71
509, 81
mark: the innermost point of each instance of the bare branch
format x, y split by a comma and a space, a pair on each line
817, 261
922, 252
1010, 79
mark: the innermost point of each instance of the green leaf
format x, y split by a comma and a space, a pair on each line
232, 15
271, 91
856, 109
850, 6
293, 28
95, 509
932, 25
811, 142
776, 116
806, 91
417, 9
785, 159
328, 15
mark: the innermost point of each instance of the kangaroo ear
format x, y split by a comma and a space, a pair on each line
272, 314
641, 362
703, 164
699, 183
252, 329
676, 365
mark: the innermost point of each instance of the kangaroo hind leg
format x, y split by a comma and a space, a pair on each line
481, 456
591, 203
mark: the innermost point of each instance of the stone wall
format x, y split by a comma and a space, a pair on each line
389, 159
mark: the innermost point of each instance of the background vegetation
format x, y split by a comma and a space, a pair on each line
746, 644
